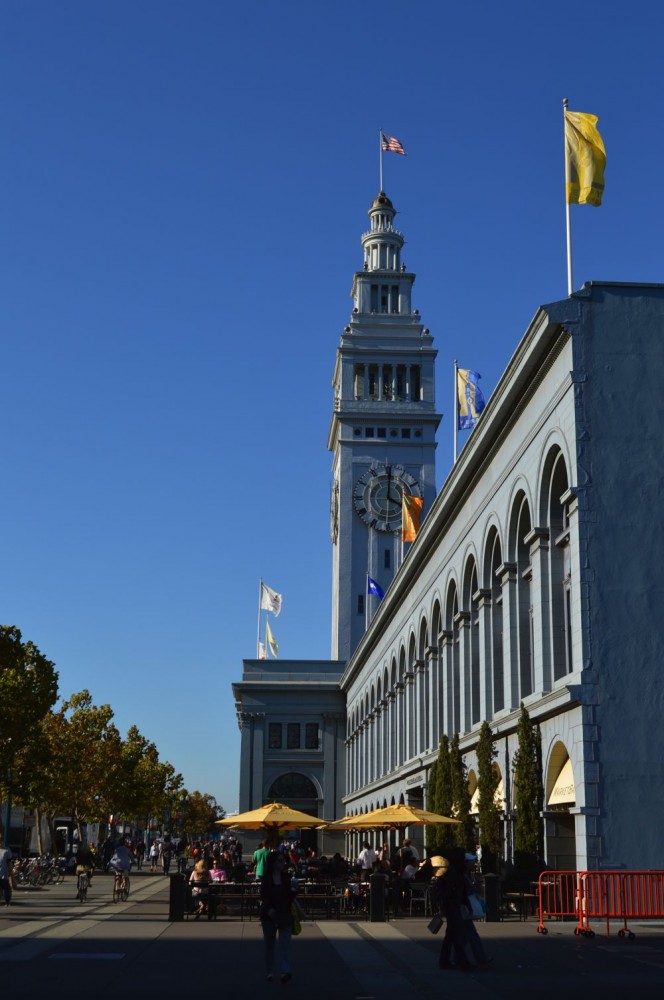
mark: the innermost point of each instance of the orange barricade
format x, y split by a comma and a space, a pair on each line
558, 896
609, 895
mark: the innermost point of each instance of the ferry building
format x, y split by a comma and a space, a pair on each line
535, 577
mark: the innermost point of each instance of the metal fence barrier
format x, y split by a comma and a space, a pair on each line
594, 895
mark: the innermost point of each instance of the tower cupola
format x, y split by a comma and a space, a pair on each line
382, 244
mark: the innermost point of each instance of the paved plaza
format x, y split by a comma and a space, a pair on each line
52, 946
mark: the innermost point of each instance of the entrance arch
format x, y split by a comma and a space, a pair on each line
299, 792
559, 799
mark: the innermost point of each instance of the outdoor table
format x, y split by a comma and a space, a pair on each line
241, 897
319, 896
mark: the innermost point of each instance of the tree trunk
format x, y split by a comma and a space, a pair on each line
38, 819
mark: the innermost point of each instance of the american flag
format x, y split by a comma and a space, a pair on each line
392, 145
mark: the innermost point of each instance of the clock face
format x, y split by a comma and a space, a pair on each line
378, 493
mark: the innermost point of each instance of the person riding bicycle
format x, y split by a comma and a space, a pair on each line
84, 863
122, 859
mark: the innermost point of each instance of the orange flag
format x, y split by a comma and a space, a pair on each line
411, 511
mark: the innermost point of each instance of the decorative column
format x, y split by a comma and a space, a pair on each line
391, 756
433, 698
538, 541
332, 745
383, 757
399, 737
462, 622
447, 668
420, 718
506, 573
252, 726
483, 598
409, 720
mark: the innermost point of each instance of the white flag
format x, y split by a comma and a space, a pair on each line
270, 600
262, 651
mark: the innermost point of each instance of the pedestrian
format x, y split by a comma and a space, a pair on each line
277, 897
475, 942
154, 855
366, 860
200, 881
181, 855
166, 852
140, 853
451, 895
261, 854
5, 874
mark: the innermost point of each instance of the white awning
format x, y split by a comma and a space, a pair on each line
564, 790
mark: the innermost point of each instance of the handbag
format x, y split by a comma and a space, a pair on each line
476, 907
297, 925
435, 923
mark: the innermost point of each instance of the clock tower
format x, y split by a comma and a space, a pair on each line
383, 428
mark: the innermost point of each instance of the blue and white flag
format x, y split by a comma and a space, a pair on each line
375, 588
470, 398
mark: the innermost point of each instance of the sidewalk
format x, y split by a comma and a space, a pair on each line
53, 946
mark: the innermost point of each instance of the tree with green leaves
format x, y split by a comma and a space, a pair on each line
430, 835
528, 794
28, 689
85, 760
489, 813
143, 784
201, 812
464, 833
440, 838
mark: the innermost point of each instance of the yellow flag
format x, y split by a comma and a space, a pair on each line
270, 640
586, 159
411, 511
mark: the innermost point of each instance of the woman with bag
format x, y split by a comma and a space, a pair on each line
451, 896
277, 899
475, 912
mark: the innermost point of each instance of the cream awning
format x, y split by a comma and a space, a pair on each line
498, 798
564, 790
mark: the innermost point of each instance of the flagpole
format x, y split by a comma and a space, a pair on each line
455, 411
367, 595
568, 218
258, 627
380, 158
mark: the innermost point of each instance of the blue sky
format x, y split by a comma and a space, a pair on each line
183, 189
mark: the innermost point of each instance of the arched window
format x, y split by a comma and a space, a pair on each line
524, 582
493, 560
452, 666
560, 570
436, 687
292, 786
472, 645
423, 682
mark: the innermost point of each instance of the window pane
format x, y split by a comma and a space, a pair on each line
274, 737
293, 735
311, 736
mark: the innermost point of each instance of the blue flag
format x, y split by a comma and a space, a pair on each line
471, 400
375, 588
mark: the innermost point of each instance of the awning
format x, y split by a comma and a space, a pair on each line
498, 798
564, 790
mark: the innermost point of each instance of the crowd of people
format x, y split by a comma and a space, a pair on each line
452, 882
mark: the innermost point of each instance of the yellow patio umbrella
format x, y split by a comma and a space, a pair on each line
350, 822
393, 818
274, 818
